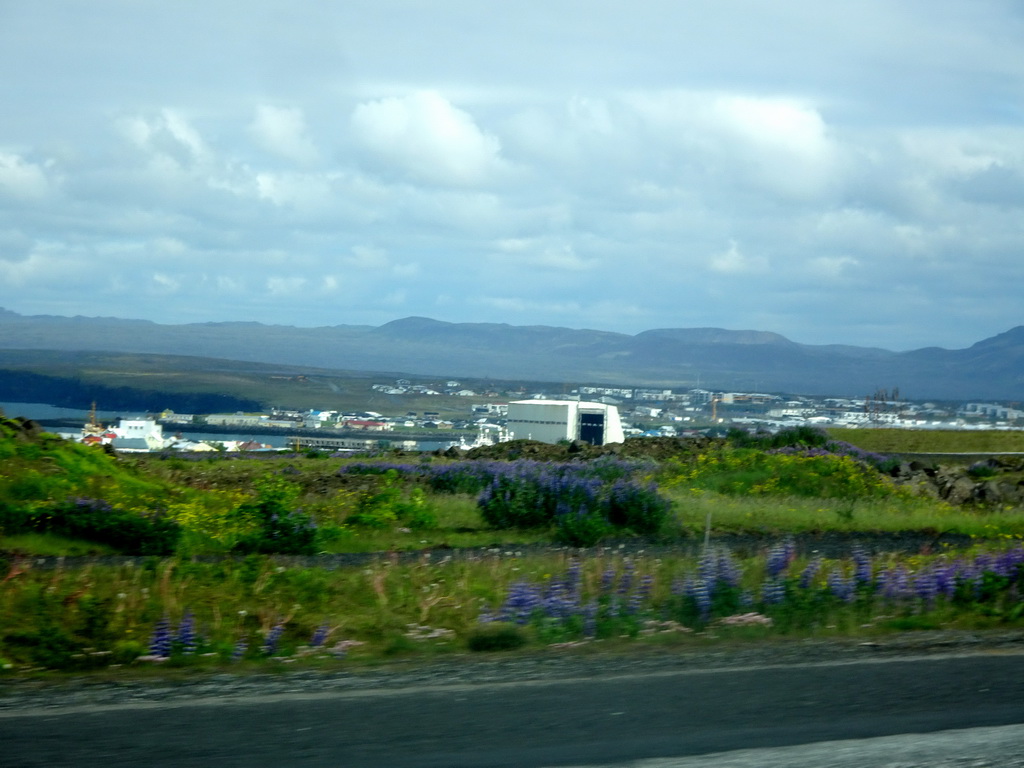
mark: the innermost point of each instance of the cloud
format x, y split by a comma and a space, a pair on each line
15, 245
166, 284
648, 160
168, 137
426, 137
367, 257
733, 262
282, 131
285, 285
21, 180
831, 267
544, 254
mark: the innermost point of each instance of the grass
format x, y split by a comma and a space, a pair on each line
932, 440
252, 612
52, 545
781, 515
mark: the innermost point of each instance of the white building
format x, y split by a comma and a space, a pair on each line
550, 421
138, 435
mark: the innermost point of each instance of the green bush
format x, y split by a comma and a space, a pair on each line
388, 507
640, 508
280, 528
581, 529
496, 636
95, 520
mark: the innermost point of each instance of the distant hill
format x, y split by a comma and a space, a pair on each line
713, 358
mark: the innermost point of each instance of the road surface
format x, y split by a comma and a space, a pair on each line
757, 716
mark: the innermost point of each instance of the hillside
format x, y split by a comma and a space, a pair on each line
713, 358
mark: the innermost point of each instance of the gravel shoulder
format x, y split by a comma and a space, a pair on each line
177, 687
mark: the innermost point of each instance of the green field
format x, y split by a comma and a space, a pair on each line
215, 583
288, 387
933, 441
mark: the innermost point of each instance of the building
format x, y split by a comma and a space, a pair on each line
550, 421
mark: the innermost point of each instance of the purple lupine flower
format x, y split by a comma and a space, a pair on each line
945, 579
320, 635
573, 578
707, 566
807, 577
862, 573
590, 619
161, 640
646, 586
893, 584
727, 569
240, 649
271, 640
607, 580
779, 558
702, 597
626, 582
186, 637
925, 586
639, 596
773, 592
520, 603
841, 586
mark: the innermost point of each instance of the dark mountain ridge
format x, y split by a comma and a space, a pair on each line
712, 358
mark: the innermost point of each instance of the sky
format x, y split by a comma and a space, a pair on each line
847, 173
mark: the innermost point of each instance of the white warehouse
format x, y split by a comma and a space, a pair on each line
549, 421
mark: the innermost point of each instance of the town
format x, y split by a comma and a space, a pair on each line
485, 418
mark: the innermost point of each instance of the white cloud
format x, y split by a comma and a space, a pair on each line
168, 137
282, 131
164, 283
654, 157
524, 306
21, 180
424, 135
544, 254
733, 261
406, 271
367, 257
285, 285
15, 245
831, 267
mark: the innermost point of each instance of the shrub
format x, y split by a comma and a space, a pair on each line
582, 528
496, 636
280, 529
637, 507
96, 520
574, 498
388, 506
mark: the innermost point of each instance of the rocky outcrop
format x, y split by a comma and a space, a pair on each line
998, 481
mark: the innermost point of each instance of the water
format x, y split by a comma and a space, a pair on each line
44, 412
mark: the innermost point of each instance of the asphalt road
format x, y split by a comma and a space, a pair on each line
654, 717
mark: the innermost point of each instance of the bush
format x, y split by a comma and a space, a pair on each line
96, 520
281, 529
496, 636
637, 507
574, 498
581, 529
388, 506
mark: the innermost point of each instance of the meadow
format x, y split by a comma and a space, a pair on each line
501, 554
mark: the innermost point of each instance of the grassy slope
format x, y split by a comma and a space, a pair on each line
932, 441
274, 386
56, 618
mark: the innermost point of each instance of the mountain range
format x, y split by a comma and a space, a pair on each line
711, 358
